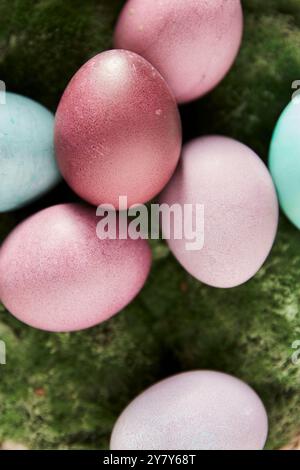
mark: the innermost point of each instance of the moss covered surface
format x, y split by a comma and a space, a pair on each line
66, 390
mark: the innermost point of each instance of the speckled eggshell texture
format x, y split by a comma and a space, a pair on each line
193, 43
27, 163
237, 194
118, 130
57, 275
199, 410
284, 160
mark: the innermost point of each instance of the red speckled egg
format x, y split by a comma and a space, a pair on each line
57, 275
117, 130
193, 43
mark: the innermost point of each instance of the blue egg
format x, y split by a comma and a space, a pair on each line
27, 163
284, 161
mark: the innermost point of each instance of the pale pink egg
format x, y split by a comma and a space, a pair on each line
199, 410
193, 43
233, 231
117, 130
57, 275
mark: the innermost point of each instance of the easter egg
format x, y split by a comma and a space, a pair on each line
198, 410
193, 43
118, 131
27, 164
229, 211
284, 161
57, 275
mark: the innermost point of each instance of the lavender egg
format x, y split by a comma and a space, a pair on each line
57, 275
117, 130
198, 410
193, 43
239, 211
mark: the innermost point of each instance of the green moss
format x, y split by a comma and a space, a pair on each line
44, 42
66, 390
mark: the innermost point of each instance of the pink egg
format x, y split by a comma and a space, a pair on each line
193, 43
57, 275
236, 193
118, 130
199, 410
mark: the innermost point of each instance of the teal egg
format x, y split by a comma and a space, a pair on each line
27, 163
284, 161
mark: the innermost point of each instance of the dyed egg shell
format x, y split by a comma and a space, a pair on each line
118, 131
284, 161
199, 410
57, 275
193, 43
27, 164
240, 206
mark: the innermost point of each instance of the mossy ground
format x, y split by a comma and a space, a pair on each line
66, 390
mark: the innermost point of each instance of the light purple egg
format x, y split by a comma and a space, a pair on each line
240, 206
199, 410
57, 275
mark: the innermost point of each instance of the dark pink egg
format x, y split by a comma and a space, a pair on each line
118, 130
57, 275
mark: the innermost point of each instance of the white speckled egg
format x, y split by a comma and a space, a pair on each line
199, 410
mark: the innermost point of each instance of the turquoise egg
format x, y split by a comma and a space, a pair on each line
284, 161
27, 163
